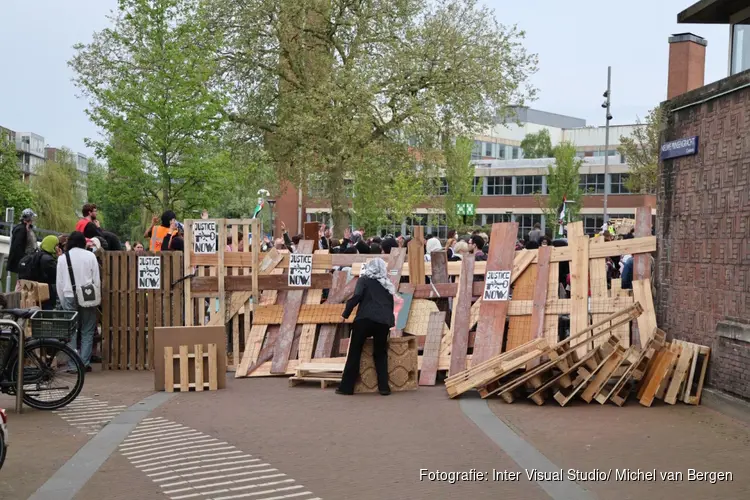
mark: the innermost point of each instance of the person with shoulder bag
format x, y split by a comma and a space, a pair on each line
79, 289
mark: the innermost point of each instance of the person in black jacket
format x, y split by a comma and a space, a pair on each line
22, 240
374, 296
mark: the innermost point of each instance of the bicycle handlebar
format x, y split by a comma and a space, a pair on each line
18, 313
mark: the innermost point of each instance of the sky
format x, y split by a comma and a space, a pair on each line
576, 40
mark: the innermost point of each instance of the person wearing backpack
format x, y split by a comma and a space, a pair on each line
22, 241
79, 289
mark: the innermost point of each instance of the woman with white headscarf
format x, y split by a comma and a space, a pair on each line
432, 245
374, 296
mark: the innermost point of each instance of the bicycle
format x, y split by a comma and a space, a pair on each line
53, 373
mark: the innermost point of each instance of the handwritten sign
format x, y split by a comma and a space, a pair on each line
149, 272
300, 269
496, 285
205, 236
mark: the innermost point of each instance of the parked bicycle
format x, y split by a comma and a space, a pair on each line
53, 373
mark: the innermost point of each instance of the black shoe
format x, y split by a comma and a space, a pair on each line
339, 391
88, 369
385, 393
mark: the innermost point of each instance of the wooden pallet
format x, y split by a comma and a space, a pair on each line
198, 357
324, 380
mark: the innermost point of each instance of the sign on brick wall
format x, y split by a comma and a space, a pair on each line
681, 147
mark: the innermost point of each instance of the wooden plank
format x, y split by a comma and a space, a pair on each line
647, 320
598, 286
664, 385
198, 351
150, 325
604, 373
213, 368
460, 317
115, 282
660, 371
221, 271
184, 372
336, 295
540, 293
579, 287
307, 338
142, 333
177, 290
106, 310
133, 331
169, 369
691, 375
257, 240
492, 314
207, 286
439, 263
705, 352
289, 322
519, 331
678, 379
395, 266
552, 316
157, 323
416, 261
187, 270
431, 351
311, 232
166, 286
641, 261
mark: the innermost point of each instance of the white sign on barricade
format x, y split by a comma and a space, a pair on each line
205, 236
496, 285
149, 272
300, 269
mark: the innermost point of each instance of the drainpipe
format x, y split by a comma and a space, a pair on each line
299, 212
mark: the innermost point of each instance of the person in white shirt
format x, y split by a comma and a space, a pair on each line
85, 271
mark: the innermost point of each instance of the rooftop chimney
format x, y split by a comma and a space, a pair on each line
687, 63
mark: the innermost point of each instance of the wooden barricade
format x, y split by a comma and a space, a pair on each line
205, 369
130, 313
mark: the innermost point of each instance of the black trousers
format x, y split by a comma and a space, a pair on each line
379, 332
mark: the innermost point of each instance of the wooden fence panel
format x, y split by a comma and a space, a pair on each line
129, 315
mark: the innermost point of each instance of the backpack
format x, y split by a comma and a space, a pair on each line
28, 267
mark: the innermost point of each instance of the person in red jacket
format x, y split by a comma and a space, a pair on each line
89, 215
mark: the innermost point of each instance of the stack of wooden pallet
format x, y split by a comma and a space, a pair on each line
602, 371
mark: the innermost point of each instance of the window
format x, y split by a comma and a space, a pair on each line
617, 183
476, 188
315, 187
476, 152
497, 186
443, 188
415, 220
516, 153
495, 218
501, 151
437, 226
592, 224
529, 184
592, 183
488, 149
526, 223
741, 46
322, 217
392, 227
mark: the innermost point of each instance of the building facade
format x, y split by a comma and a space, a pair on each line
703, 225
31, 154
512, 188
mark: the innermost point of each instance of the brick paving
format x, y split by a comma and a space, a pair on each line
372, 447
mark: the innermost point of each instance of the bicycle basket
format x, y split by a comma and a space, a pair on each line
54, 324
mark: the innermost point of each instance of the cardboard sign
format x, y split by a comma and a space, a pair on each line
496, 285
300, 269
149, 272
205, 236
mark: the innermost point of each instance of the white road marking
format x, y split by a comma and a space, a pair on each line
89, 415
188, 464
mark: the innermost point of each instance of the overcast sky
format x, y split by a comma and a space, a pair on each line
575, 40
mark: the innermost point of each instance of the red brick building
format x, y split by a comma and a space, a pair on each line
703, 224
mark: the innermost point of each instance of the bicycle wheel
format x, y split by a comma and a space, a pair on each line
3, 450
53, 375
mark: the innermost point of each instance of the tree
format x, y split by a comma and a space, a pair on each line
563, 180
13, 191
56, 186
641, 152
328, 85
459, 176
538, 145
147, 81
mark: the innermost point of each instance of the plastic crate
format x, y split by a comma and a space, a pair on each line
54, 324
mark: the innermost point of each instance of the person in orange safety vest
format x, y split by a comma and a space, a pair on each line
158, 233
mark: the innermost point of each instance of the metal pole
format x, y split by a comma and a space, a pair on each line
606, 141
9, 218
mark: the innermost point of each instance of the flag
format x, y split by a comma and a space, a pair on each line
561, 217
258, 207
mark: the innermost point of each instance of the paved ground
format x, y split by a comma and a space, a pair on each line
260, 439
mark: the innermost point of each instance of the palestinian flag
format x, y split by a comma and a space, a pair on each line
561, 217
258, 207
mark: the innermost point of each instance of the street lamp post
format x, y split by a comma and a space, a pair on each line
606, 105
271, 203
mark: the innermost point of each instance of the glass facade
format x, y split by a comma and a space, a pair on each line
526, 223
497, 186
592, 183
488, 150
617, 183
529, 184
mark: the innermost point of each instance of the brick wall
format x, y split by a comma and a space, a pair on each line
703, 225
